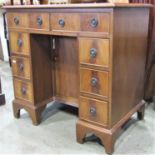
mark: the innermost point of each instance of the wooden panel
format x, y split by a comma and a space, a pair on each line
92, 110
21, 67
42, 67
39, 21
67, 69
129, 59
89, 46
23, 90
94, 82
65, 21
19, 43
102, 21
17, 20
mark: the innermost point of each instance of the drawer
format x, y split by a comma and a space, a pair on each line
39, 21
23, 90
19, 43
94, 82
93, 110
95, 22
21, 67
65, 21
17, 20
94, 51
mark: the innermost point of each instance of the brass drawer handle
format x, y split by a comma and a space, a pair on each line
93, 52
93, 111
23, 90
94, 23
94, 82
39, 21
19, 42
21, 67
61, 22
16, 20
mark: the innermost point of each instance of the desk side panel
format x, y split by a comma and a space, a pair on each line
129, 59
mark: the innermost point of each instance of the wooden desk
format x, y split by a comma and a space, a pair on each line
91, 56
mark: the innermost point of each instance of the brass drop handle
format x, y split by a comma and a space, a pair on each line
19, 42
93, 52
93, 111
16, 20
61, 22
21, 67
39, 21
94, 22
94, 82
23, 90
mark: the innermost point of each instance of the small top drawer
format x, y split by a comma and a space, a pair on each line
17, 20
94, 51
39, 21
95, 22
65, 21
19, 43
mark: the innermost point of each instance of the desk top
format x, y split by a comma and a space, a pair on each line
78, 5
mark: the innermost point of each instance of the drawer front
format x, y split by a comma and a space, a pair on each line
19, 43
39, 21
65, 21
17, 20
93, 110
21, 67
95, 22
94, 51
94, 82
23, 90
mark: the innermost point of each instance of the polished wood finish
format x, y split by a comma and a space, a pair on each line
19, 43
94, 111
87, 5
102, 48
65, 21
39, 21
17, 20
41, 67
21, 67
103, 22
128, 62
66, 69
92, 57
99, 88
23, 90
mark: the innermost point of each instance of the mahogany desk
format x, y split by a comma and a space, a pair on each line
91, 56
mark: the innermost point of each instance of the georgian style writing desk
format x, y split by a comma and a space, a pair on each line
91, 56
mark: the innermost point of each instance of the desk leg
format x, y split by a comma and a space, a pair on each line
141, 112
34, 112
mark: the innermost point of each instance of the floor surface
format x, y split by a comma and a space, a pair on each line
56, 134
